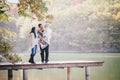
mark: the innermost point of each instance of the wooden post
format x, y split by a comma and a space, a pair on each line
25, 74
87, 73
68, 73
10, 75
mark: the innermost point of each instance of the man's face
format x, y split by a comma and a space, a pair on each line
41, 27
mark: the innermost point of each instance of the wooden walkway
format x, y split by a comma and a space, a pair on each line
58, 64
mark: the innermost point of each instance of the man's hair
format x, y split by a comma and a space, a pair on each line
39, 25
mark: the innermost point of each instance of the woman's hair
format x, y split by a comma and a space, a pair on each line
33, 31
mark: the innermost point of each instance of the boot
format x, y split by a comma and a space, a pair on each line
46, 61
31, 60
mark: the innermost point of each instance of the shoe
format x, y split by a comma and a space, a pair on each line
33, 62
42, 61
46, 61
29, 61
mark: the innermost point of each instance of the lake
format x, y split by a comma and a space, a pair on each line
109, 70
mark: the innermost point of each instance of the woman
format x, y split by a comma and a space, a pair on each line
34, 42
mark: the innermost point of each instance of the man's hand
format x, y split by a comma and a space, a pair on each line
42, 41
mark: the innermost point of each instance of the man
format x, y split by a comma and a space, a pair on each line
44, 34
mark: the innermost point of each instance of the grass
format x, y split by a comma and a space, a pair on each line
109, 71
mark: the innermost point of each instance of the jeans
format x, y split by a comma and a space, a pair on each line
34, 49
46, 55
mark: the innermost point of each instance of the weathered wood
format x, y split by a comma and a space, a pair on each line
10, 74
62, 64
25, 74
87, 73
68, 73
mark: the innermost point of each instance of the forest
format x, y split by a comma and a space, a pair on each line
90, 26
77, 25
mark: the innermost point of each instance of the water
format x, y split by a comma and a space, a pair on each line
109, 71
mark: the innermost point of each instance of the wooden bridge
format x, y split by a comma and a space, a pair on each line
58, 64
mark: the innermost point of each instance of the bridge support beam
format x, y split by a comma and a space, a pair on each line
25, 74
68, 73
10, 74
87, 73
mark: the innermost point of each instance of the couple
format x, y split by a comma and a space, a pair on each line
41, 38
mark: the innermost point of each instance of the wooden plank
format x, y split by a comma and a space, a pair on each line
57, 64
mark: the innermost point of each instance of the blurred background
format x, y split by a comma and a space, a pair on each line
78, 27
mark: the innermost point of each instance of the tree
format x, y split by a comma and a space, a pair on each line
36, 9
7, 37
95, 25
3, 11
32, 7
